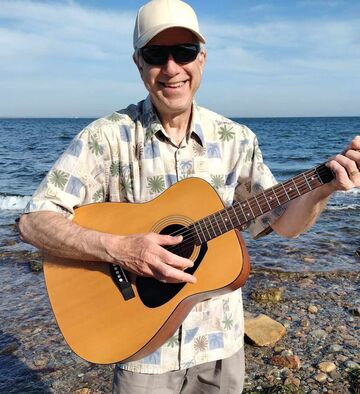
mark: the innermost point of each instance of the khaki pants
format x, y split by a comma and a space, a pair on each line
221, 377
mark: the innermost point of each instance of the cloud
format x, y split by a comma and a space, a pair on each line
61, 51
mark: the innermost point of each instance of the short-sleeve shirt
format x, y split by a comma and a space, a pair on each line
128, 157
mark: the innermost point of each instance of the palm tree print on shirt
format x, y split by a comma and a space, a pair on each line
59, 178
201, 343
98, 196
225, 133
95, 147
217, 181
228, 322
156, 184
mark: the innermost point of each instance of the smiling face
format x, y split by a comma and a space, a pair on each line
172, 86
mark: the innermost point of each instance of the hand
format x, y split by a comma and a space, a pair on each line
346, 166
144, 255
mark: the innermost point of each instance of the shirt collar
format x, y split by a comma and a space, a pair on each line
152, 123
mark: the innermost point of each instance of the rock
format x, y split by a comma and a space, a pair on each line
41, 362
9, 348
321, 377
354, 311
305, 323
268, 295
327, 366
292, 381
292, 362
352, 364
35, 265
313, 309
320, 334
84, 390
263, 331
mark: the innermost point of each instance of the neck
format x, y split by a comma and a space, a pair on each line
176, 125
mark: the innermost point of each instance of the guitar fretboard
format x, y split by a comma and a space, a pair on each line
240, 213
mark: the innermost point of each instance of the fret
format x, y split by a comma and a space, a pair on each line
204, 226
310, 188
285, 191
225, 221
293, 181
197, 234
267, 201
209, 228
291, 192
220, 229
248, 215
204, 238
237, 217
227, 212
273, 189
257, 202
243, 213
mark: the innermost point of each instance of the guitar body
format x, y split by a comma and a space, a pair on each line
95, 319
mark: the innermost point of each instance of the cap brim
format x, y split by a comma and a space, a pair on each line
150, 34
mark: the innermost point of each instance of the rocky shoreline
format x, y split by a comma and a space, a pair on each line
318, 353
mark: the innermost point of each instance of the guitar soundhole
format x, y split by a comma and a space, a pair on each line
154, 293
186, 247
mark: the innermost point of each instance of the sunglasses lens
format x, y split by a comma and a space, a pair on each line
185, 53
158, 54
155, 54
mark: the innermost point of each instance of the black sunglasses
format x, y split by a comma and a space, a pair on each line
158, 55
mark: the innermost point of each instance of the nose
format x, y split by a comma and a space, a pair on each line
171, 68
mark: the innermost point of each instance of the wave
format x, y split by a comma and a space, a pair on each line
349, 207
13, 203
355, 191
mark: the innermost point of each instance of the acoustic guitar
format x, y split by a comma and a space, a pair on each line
107, 315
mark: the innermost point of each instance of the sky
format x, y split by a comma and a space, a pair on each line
271, 58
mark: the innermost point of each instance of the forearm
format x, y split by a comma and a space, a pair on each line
302, 213
52, 233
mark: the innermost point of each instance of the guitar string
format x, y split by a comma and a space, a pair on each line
261, 199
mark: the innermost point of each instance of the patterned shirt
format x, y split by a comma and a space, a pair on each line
129, 157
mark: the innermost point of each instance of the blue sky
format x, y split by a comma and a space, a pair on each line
265, 58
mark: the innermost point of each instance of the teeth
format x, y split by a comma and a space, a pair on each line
174, 85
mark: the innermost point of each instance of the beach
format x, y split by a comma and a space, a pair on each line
320, 312
316, 275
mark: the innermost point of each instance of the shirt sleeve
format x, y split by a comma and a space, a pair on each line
78, 177
254, 180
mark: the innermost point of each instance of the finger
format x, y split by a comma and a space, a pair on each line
166, 273
347, 163
164, 239
355, 143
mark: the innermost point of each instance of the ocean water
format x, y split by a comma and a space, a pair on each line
289, 145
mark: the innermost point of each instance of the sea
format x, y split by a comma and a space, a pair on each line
289, 146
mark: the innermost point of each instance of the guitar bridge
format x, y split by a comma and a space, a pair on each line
119, 277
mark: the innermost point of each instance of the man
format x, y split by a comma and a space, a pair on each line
132, 156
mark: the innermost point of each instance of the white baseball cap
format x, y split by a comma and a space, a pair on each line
158, 15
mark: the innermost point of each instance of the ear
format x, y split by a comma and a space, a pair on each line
202, 59
138, 61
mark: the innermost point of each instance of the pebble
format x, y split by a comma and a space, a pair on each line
351, 364
335, 348
327, 366
292, 362
320, 334
313, 309
268, 295
321, 377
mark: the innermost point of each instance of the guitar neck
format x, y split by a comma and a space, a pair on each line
242, 212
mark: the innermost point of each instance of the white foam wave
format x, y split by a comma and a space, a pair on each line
343, 207
13, 203
355, 191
